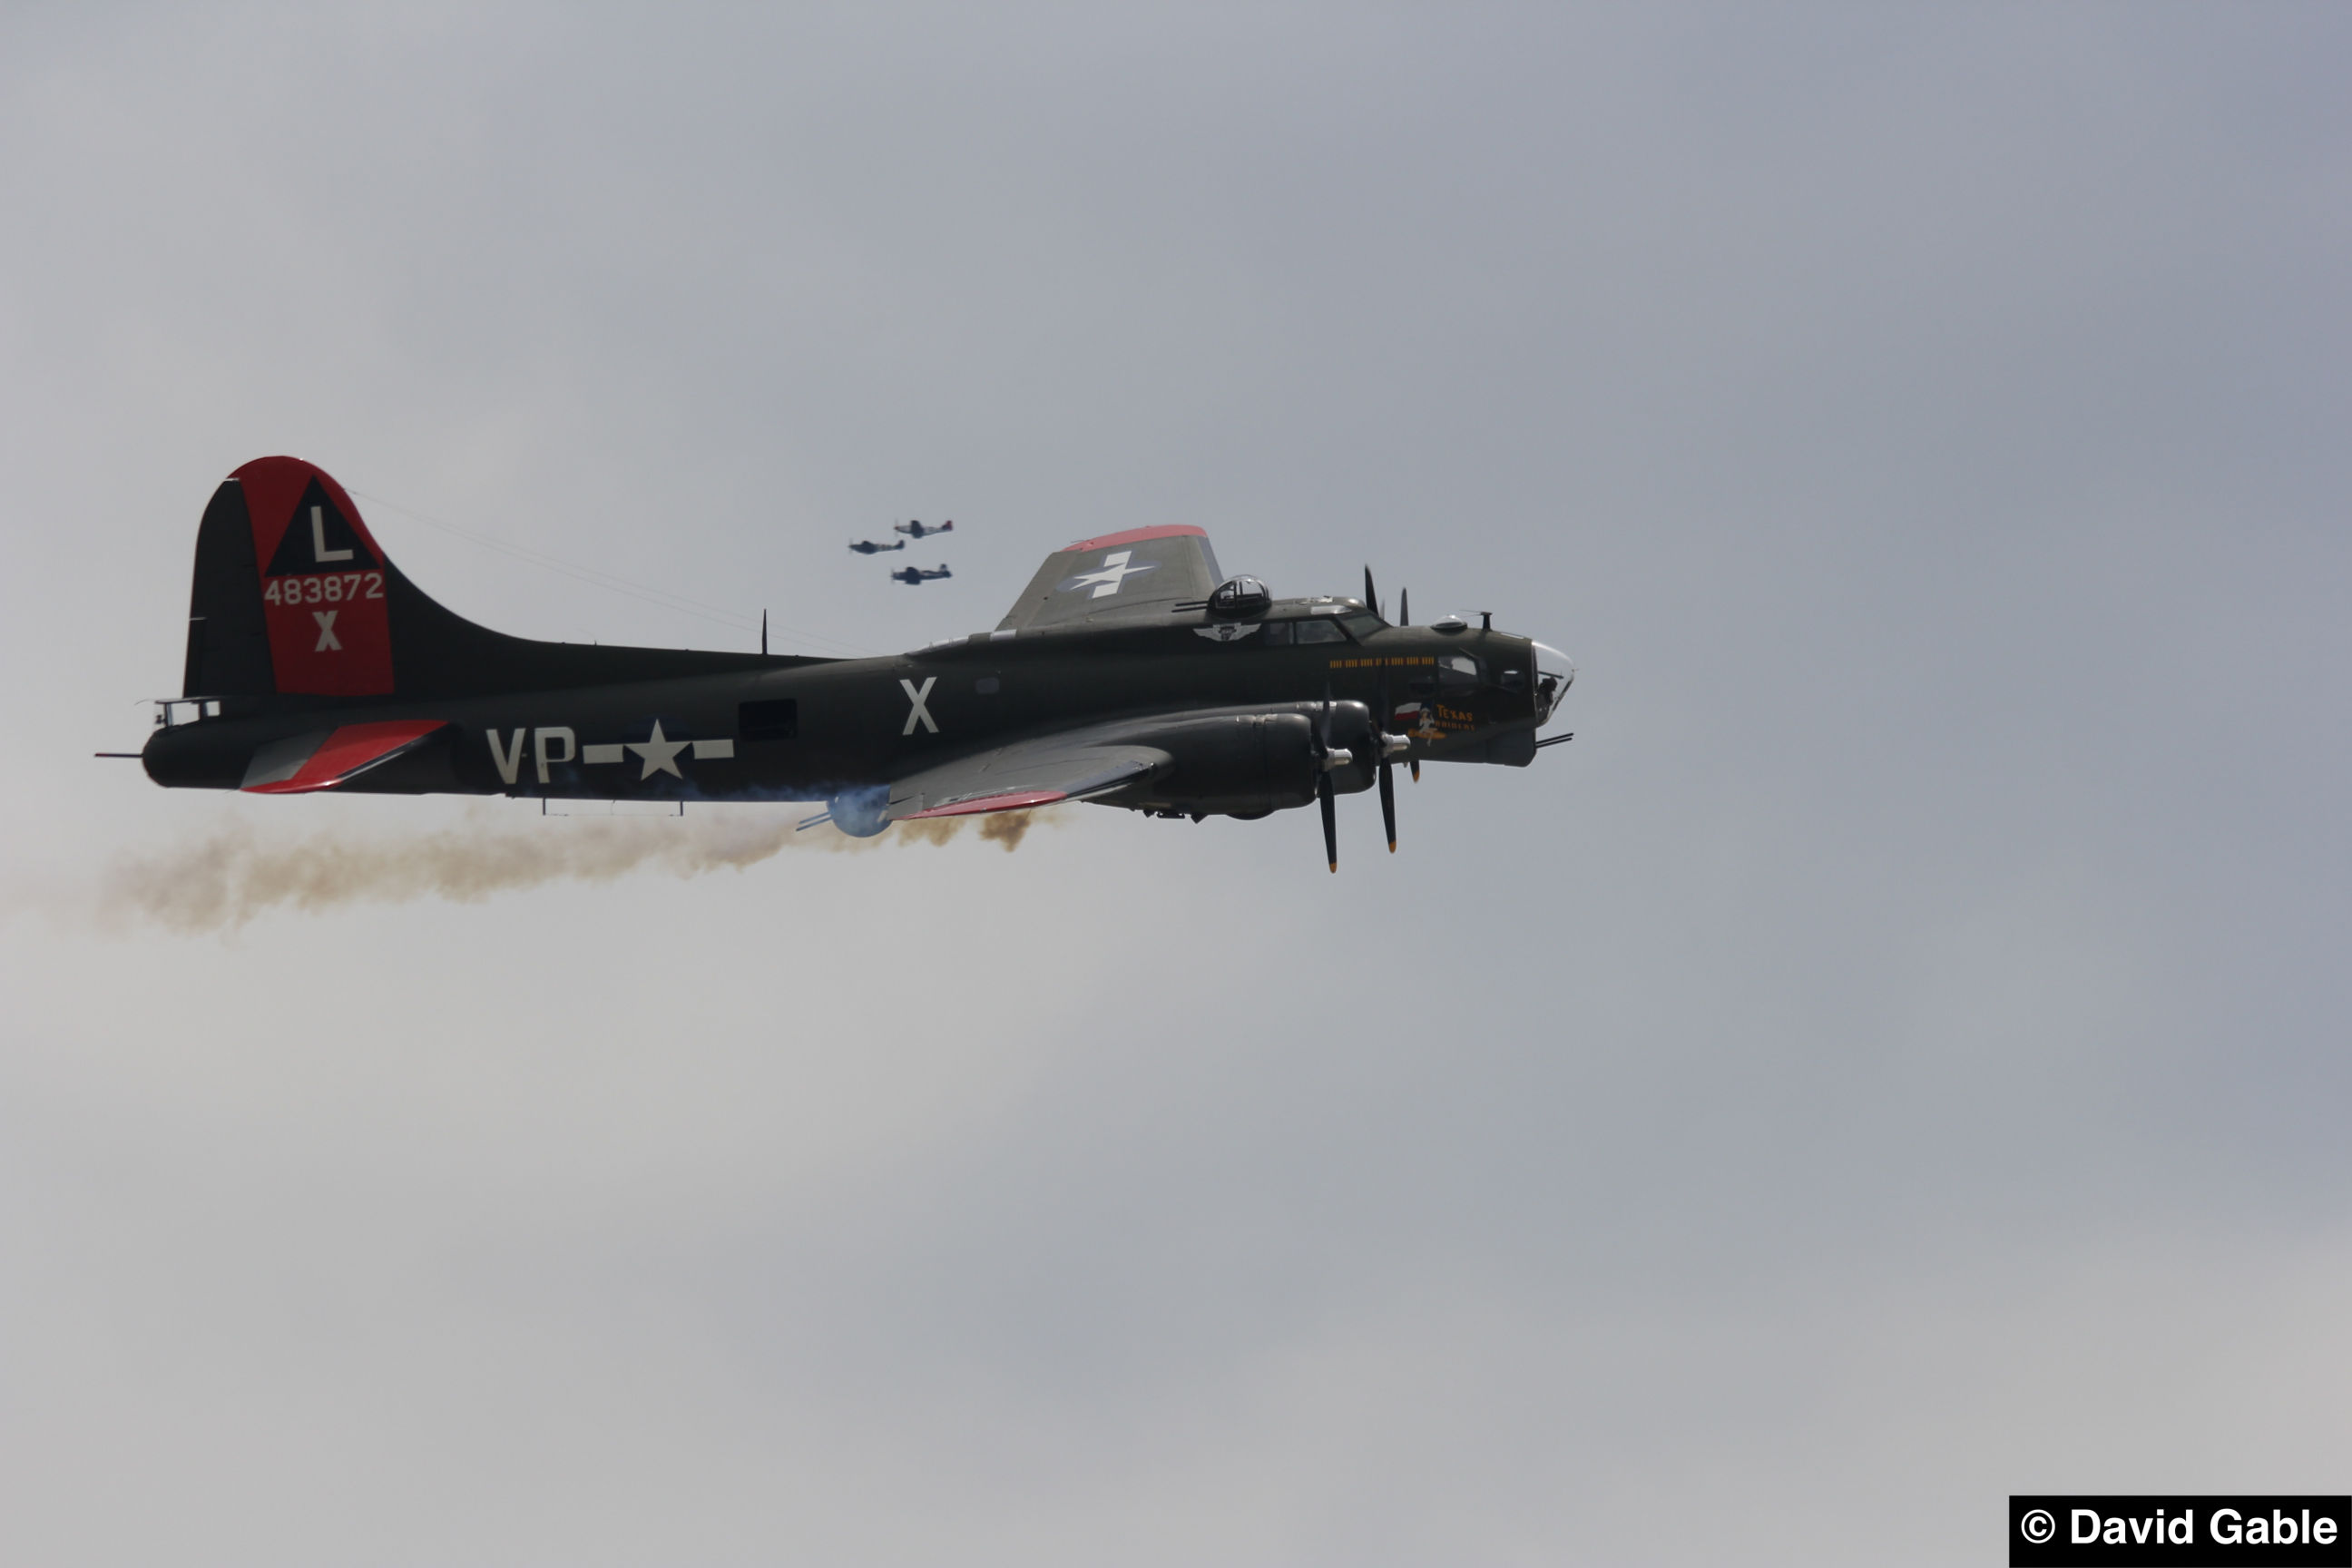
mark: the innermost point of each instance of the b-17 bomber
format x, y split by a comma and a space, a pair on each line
1130, 672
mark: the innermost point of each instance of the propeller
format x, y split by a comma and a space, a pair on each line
1327, 757
1388, 775
1404, 619
1389, 745
1386, 748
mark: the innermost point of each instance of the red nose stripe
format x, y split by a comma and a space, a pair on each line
1016, 801
348, 751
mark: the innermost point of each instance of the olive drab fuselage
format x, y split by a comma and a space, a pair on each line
801, 729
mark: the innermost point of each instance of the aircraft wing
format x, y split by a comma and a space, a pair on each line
1138, 575
1013, 778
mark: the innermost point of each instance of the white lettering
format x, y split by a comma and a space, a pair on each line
919, 713
2228, 1535
508, 763
319, 551
2323, 1531
542, 740
328, 641
2083, 1527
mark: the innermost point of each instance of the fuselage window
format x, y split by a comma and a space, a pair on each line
1457, 669
1319, 631
1277, 634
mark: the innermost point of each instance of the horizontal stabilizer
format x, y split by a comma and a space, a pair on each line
325, 758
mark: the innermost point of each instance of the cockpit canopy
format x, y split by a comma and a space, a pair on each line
1240, 596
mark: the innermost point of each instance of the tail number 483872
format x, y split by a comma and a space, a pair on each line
325, 588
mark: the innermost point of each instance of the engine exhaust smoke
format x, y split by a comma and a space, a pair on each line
234, 873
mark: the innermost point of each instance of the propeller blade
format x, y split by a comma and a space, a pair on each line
1404, 606
1388, 802
1388, 771
1372, 603
1330, 822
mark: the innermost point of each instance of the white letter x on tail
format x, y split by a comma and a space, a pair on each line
919, 714
328, 640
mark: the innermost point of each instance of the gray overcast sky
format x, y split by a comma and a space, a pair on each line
1895, 1058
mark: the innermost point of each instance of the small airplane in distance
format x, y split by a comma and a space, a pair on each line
918, 530
917, 575
868, 547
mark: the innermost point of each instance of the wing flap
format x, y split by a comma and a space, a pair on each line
325, 758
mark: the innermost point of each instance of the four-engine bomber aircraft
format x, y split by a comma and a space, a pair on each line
1130, 672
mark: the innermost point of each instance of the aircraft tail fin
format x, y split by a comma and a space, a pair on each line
291, 594
293, 598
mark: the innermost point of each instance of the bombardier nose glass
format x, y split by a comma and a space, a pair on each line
1555, 673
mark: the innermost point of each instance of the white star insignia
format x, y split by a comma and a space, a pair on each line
660, 754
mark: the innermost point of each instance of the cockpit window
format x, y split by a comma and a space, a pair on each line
1361, 623
1457, 669
1319, 631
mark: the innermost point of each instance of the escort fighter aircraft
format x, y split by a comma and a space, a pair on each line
1132, 672
868, 547
917, 529
917, 575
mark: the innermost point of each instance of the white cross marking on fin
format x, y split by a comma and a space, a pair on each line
328, 641
1115, 572
319, 551
919, 713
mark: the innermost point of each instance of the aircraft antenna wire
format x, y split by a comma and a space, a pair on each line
663, 597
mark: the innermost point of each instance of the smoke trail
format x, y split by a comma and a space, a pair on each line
231, 876
1006, 827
